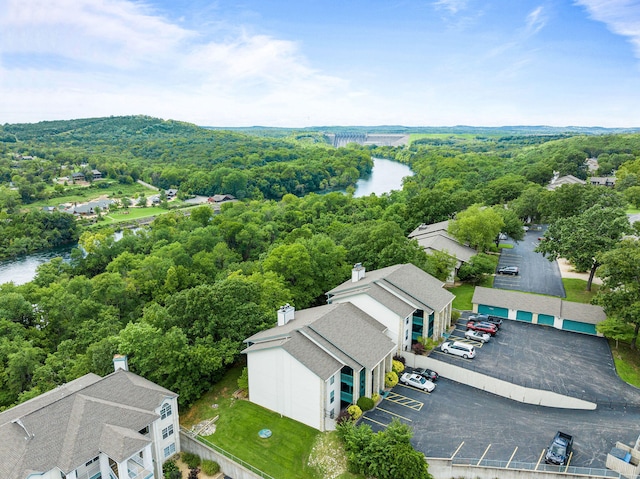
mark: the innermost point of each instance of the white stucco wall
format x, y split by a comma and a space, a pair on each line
156, 434
279, 382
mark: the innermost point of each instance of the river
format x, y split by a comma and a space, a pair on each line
386, 176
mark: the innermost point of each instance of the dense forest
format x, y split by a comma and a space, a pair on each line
180, 296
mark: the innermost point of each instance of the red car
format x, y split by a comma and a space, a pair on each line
484, 327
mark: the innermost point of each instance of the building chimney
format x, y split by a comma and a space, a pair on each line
120, 362
285, 314
357, 273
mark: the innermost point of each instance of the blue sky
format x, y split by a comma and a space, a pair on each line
323, 62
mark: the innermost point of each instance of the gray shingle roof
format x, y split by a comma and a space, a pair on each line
407, 282
323, 339
66, 427
552, 306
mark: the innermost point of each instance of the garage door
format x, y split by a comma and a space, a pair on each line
484, 309
524, 316
545, 319
579, 327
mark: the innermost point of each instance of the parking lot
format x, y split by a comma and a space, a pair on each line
537, 274
533, 356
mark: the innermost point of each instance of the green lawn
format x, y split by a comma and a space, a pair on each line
284, 455
627, 362
463, 295
576, 290
118, 216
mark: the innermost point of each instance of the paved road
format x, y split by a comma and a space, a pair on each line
537, 273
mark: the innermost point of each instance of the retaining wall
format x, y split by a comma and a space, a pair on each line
190, 444
496, 386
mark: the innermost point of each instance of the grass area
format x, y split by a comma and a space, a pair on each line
505, 246
129, 214
627, 362
576, 290
83, 194
632, 211
463, 295
284, 455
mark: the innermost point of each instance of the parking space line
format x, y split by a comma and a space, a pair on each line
483, 454
539, 459
405, 401
511, 458
457, 450
374, 421
394, 414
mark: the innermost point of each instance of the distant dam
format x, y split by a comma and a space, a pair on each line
343, 139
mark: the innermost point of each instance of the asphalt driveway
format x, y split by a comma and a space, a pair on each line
537, 273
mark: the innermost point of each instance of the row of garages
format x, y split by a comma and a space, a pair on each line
538, 309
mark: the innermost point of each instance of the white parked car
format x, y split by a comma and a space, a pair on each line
417, 381
477, 336
459, 349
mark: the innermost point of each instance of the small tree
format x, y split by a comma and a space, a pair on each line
243, 380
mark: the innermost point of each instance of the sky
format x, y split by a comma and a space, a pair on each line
298, 63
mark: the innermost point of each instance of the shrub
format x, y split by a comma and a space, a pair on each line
455, 315
365, 403
390, 379
397, 357
354, 411
375, 398
177, 474
343, 417
418, 348
169, 467
397, 366
210, 467
191, 460
193, 473
243, 380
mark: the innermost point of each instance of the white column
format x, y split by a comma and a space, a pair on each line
104, 465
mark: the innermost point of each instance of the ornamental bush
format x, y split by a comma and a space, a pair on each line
191, 460
354, 411
365, 403
390, 379
418, 348
210, 468
375, 398
397, 366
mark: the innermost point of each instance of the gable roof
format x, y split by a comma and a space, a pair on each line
72, 424
537, 303
406, 288
436, 237
323, 339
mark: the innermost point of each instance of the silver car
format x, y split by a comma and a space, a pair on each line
477, 336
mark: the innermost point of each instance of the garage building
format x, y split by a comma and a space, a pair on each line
538, 309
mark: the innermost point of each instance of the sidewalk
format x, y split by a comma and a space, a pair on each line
567, 271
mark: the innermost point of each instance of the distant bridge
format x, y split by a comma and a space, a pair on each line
343, 139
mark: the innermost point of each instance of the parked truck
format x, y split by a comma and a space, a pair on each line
560, 449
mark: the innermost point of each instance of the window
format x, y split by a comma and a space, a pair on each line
144, 431
332, 379
332, 413
167, 431
406, 334
91, 461
331, 397
165, 412
170, 449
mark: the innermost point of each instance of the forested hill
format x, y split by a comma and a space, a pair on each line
172, 154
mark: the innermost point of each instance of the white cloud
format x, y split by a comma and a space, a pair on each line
453, 6
536, 20
622, 17
105, 57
